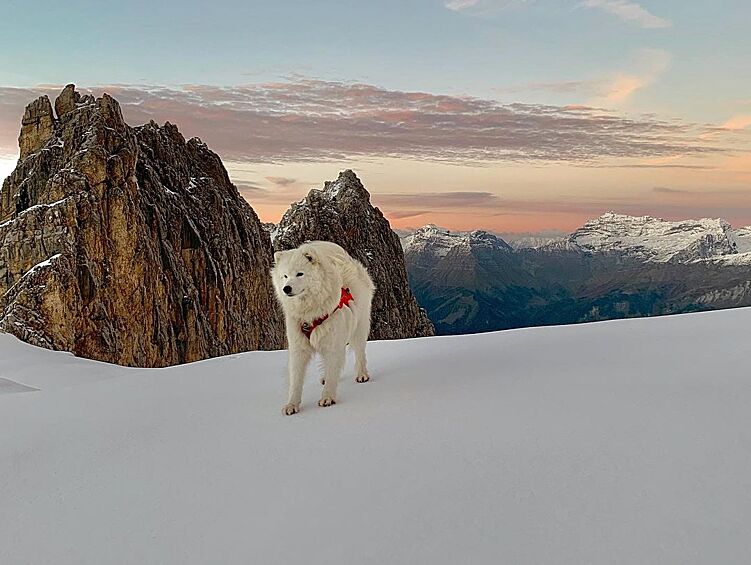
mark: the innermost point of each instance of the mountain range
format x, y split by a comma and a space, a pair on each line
110, 248
614, 266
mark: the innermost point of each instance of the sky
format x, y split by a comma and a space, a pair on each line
508, 115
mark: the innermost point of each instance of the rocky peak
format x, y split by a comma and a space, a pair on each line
439, 242
67, 100
128, 245
37, 126
341, 212
347, 185
482, 238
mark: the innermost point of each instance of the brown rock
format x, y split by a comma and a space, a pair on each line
130, 245
37, 126
67, 100
342, 213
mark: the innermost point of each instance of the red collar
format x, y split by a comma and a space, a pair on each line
307, 328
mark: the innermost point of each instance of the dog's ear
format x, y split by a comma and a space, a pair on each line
311, 256
278, 257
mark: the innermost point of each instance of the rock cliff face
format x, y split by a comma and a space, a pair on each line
128, 245
342, 213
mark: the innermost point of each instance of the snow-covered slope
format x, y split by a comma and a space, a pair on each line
617, 442
651, 239
530, 240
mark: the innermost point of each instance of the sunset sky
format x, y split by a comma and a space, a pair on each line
510, 115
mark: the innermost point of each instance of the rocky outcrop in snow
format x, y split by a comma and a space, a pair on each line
128, 245
342, 213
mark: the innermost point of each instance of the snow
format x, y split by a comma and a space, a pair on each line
334, 188
734, 260
530, 240
42, 264
742, 237
616, 442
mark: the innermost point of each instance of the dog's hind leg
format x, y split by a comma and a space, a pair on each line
298, 362
359, 341
361, 365
333, 364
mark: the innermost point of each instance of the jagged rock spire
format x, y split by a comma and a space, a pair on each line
129, 245
342, 213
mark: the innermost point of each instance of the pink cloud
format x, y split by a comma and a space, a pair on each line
737, 123
313, 120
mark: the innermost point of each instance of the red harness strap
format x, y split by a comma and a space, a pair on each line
307, 328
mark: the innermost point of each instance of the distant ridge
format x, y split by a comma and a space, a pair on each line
614, 266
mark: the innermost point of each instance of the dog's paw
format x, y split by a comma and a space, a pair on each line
362, 378
290, 409
326, 401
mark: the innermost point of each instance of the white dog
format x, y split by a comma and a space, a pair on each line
326, 297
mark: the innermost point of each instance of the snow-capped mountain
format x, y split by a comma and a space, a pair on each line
438, 242
641, 238
645, 238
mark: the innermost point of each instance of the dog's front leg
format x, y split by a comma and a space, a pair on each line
333, 365
299, 357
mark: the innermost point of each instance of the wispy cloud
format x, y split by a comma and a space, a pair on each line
737, 123
674, 203
480, 7
630, 12
557, 87
663, 166
434, 200
405, 214
281, 181
652, 63
313, 120
459, 5
668, 190
613, 89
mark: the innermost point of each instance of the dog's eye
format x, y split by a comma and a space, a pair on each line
299, 274
285, 276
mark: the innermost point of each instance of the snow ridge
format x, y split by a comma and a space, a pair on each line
654, 239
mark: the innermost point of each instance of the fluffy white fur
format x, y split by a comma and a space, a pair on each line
308, 282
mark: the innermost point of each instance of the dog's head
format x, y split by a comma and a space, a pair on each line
296, 272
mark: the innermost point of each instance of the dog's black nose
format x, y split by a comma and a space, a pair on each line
287, 289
